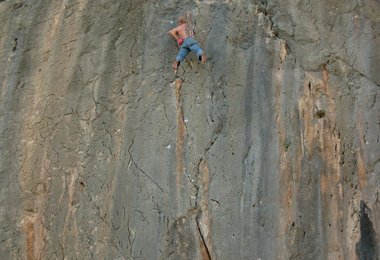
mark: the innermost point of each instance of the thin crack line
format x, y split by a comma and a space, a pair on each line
142, 171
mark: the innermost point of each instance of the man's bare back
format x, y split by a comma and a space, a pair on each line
179, 32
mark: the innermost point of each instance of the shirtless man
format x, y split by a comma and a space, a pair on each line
186, 41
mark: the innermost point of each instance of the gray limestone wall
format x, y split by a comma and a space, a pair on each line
270, 150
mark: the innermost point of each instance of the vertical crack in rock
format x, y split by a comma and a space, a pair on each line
202, 185
131, 239
200, 182
180, 143
366, 247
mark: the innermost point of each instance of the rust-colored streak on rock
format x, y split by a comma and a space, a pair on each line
290, 155
29, 231
361, 170
205, 254
361, 166
181, 132
35, 174
34, 206
321, 141
34, 235
331, 141
333, 192
204, 221
285, 160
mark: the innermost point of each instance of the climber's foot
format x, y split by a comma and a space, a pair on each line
175, 66
203, 58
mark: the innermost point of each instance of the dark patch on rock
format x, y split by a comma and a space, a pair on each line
366, 247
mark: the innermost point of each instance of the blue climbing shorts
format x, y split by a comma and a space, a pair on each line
188, 45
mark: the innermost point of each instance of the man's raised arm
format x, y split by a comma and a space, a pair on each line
173, 33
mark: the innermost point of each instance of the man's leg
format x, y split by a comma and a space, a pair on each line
180, 57
198, 50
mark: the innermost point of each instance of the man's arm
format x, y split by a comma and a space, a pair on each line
173, 33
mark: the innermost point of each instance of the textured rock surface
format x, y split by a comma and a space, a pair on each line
268, 151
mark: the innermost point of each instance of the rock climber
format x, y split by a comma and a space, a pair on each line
185, 39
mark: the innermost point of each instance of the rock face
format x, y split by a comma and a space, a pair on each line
268, 151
